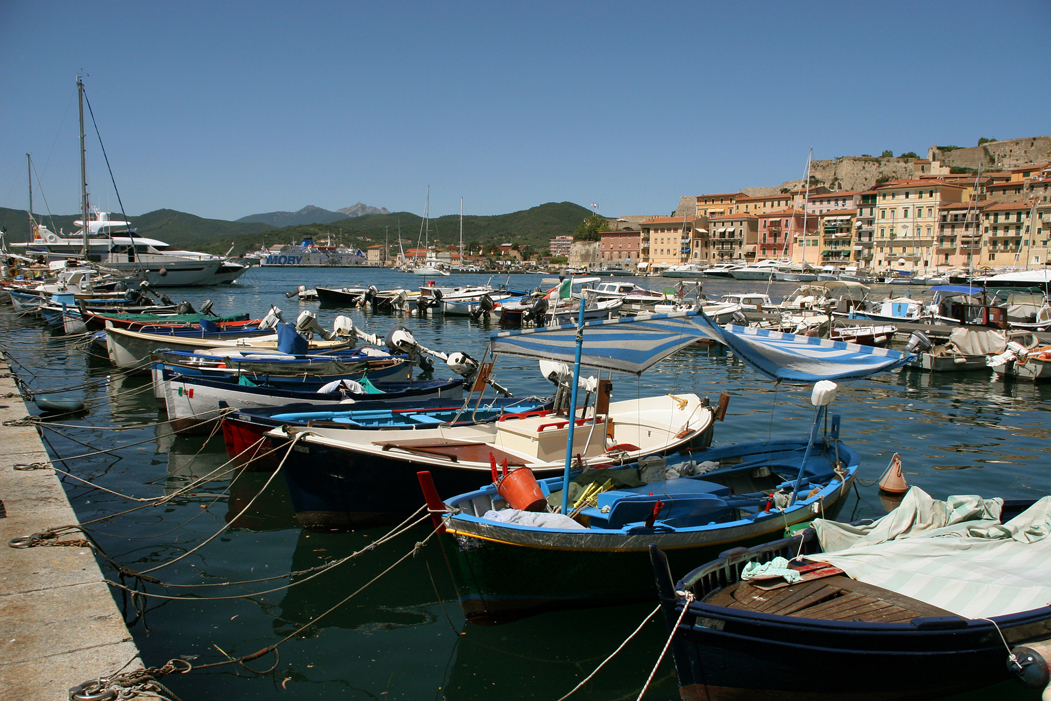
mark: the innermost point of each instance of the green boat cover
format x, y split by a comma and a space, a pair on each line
953, 554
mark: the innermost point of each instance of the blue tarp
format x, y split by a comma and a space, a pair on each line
633, 344
289, 340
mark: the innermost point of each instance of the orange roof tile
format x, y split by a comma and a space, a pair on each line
1000, 206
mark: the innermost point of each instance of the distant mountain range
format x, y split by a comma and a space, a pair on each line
311, 215
533, 227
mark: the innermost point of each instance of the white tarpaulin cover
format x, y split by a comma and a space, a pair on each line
953, 554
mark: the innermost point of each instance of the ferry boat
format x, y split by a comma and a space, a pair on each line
310, 255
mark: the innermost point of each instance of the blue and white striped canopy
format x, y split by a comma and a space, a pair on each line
633, 344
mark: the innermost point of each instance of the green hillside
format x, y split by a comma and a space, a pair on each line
532, 227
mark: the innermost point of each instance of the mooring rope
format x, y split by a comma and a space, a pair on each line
687, 598
586, 679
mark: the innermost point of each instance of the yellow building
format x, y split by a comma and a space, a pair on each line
667, 241
717, 205
908, 213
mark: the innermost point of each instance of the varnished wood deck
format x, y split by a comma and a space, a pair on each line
833, 598
455, 450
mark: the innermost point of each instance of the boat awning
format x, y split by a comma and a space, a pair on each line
953, 554
633, 344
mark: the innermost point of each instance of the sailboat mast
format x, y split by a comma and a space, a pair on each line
83, 170
461, 232
806, 199
1031, 233
32, 221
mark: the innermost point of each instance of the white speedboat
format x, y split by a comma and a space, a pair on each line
761, 270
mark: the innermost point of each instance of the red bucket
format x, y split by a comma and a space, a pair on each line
520, 490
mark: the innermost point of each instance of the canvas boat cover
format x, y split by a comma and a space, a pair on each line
953, 554
633, 344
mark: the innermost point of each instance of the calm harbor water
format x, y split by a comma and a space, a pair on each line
403, 637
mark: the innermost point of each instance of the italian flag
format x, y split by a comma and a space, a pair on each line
561, 290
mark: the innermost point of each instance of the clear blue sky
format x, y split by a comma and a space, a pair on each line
225, 109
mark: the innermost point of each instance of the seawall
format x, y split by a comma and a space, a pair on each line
59, 624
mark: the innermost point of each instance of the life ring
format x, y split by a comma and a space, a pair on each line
51, 238
12, 271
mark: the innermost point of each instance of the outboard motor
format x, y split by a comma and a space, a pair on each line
537, 312
918, 343
343, 327
370, 296
485, 307
307, 325
401, 340
292, 293
462, 364
184, 308
739, 318
272, 319
206, 308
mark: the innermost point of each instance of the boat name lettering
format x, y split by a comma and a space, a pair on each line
713, 623
284, 260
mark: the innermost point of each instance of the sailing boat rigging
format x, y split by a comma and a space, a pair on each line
431, 266
114, 243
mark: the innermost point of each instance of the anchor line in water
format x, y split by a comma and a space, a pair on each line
311, 572
156, 501
241, 513
170, 667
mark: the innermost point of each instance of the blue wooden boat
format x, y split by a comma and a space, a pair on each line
932, 628
229, 365
508, 563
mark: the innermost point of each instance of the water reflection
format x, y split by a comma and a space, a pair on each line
414, 593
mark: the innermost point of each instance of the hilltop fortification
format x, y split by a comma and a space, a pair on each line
863, 172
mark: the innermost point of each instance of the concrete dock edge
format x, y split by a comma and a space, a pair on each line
59, 623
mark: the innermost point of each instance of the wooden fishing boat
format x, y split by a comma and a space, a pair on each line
508, 563
878, 335
968, 349
138, 320
345, 478
192, 401
934, 599
1024, 364
244, 431
340, 296
127, 348
230, 365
